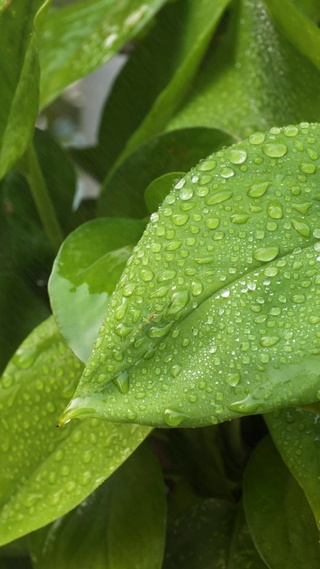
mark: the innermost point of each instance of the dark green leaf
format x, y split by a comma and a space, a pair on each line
224, 289
253, 78
121, 525
45, 471
84, 275
19, 71
79, 38
296, 433
211, 534
159, 189
157, 77
174, 151
278, 514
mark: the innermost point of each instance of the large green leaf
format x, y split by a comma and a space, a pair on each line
19, 71
296, 433
157, 76
84, 275
174, 151
45, 471
215, 315
252, 79
79, 38
278, 514
121, 525
212, 533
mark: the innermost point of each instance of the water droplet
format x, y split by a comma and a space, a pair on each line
270, 271
212, 223
258, 190
237, 155
312, 154
257, 138
206, 165
298, 298
173, 245
167, 276
25, 358
218, 197
128, 289
268, 341
275, 149
301, 227
196, 287
180, 219
302, 208
159, 332
274, 209
179, 300
233, 379
266, 254
122, 382
175, 370
123, 331
147, 274
186, 193
307, 168
173, 418
239, 218
227, 173
291, 131
316, 233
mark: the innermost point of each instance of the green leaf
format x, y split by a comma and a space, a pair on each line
246, 85
121, 525
79, 38
45, 471
159, 189
212, 533
122, 195
157, 76
296, 434
299, 29
223, 287
278, 514
84, 275
19, 69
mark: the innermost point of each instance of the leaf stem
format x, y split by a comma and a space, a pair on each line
42, 198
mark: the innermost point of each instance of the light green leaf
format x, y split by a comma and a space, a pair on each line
278, 514
215, 315
252, 79
159, 189
121, 525
296, 434
45, 471
212, 533
79, 38
180, 150
19, 70
299, 29
84, 275
157, 76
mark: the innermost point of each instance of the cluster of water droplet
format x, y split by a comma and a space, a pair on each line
228, 263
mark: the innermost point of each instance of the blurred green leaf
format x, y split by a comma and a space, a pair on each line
278, 514
211, 534
224, 288
45, 471
159, 189
253, 78
85, 273
121, 525
19, 70
79, 38
157, 76
174, 151
296, 434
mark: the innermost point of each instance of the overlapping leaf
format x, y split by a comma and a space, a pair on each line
278, 514
79, 38
215, 315
296, 433
45, 472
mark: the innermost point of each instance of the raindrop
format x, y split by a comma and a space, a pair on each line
268, 341
274, 209
212, 223
258, 190
307, 168
179, 300
275, 149
237, 155
206, 165
239, 218
175, 370
186, 193
290, 131
122, 382
218, 197
301, 227
173, 418
180, 219
266, 254
257, 138
227, 173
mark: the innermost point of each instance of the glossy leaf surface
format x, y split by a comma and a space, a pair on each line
169, 152
211, 534
215, 315
159, 189
19, 69
296, 433
84, 275
252, 79
45, 472
121, 525
278, 514
79, 38
157, 77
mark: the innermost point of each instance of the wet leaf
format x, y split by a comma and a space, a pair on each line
84, 275
296, 434
19, 69
121, 525
277, 512
252, 78
215, 315
123, 194
79, 38
212, 533
159, 189
45, 471
157, 76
